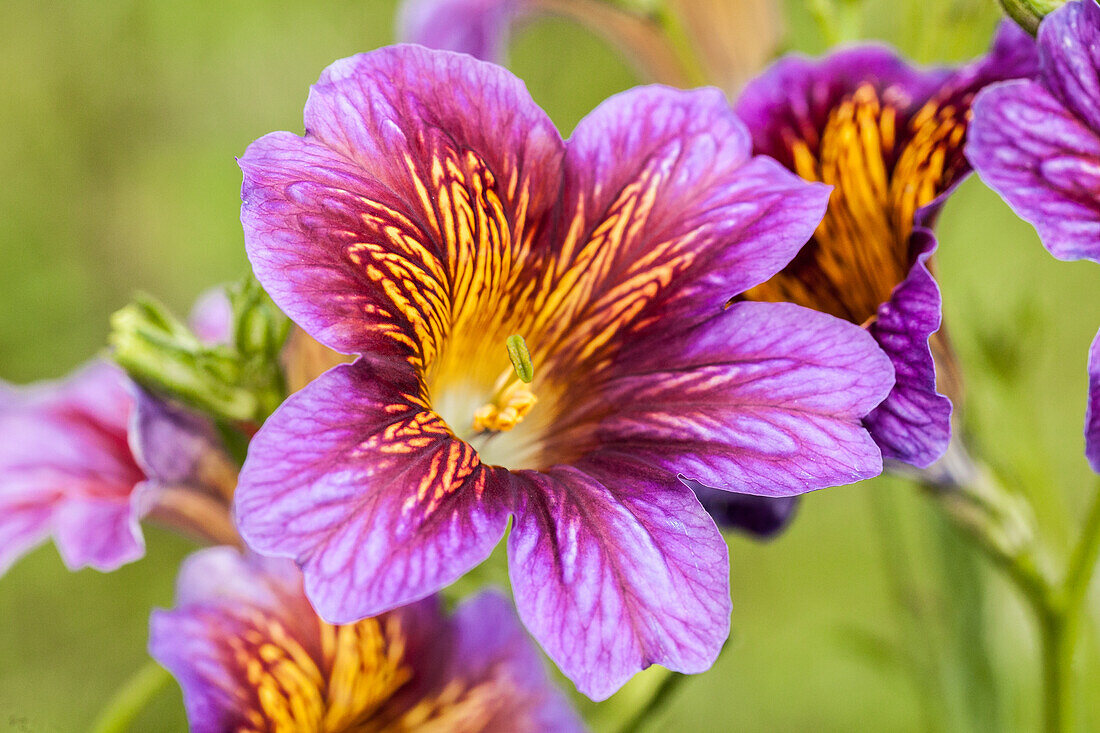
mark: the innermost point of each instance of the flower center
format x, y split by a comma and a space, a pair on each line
506, 410
485, 412
860, 251
512, 400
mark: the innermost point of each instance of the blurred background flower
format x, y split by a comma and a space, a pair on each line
121, 121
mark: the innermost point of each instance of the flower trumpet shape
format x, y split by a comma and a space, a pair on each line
431, 213
251, 655
889, 138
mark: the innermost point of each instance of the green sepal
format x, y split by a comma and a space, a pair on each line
240, 381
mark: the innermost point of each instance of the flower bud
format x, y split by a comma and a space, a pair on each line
239, 381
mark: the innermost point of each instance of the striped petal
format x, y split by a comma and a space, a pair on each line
369, 491
614, 569
889, 137
411, 206
250, 654
765, 399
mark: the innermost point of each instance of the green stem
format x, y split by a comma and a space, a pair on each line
1083, 562
1057, 653
660, 697
983, 512
1060, 624
131, 699
1023, 13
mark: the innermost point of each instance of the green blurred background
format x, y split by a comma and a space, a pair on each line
121, 120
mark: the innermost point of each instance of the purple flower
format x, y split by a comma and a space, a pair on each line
1037, 142
85, 459
67, 471
250, 653
430, 213
480, 28
889, 139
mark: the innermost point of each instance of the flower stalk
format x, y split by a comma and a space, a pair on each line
1029, 13
664, 692
130, 699
998, 523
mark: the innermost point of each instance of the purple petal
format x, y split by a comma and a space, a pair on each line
490, 646
225, 575
477, 27
615, 568
66, 470
171, 444
243, 642
249, 652
795, 97
25, 525
766, 399
1092, 413
211, 317
370, 492
1069, 43
671, 215
760, 516
1043, 161
98, 533
913, 424
361, 230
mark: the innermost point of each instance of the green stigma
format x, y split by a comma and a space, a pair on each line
521, 358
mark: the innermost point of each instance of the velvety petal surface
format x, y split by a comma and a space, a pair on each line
1043, 161
1069, 44
66, 471
250, 653
795, 97
1092, 413
614, 568
477, 27
505, 679
369, 491
913, 424
669, 216
766, 398
414, 195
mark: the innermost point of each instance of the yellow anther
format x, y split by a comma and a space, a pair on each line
507, 411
